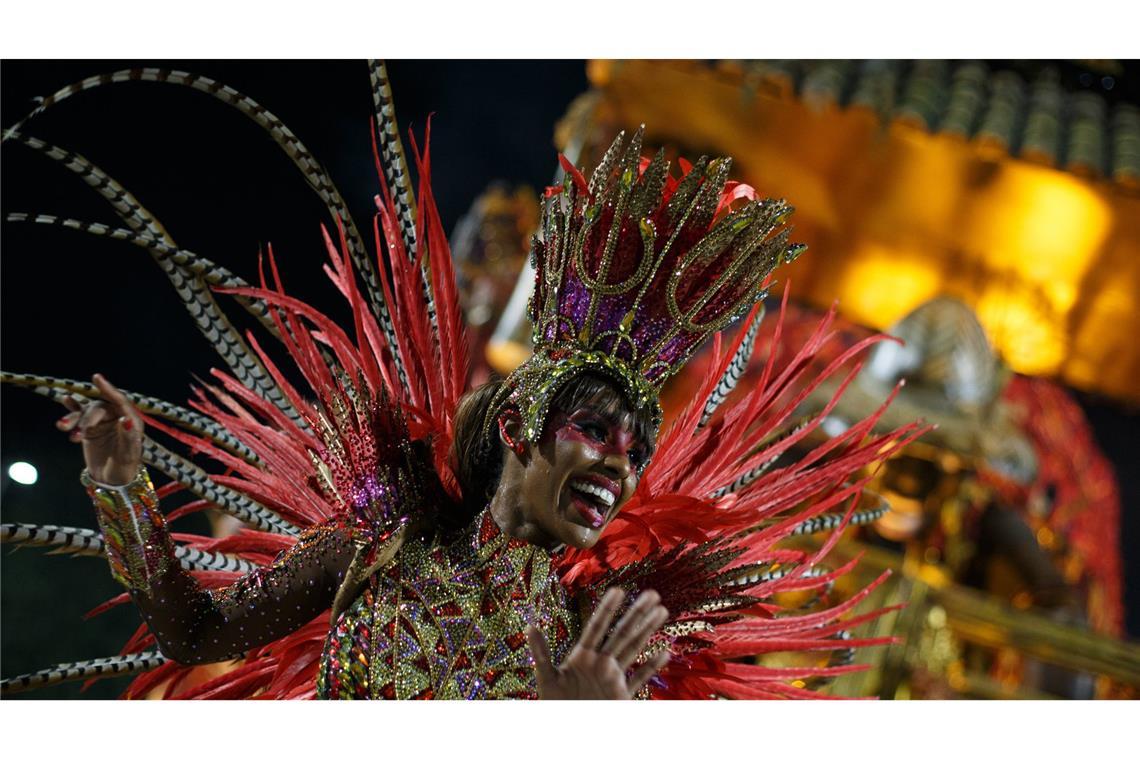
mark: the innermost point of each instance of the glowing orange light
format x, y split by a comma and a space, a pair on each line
1041, 223
1029, 335
504, 356
880, 285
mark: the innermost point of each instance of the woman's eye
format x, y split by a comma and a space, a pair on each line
594, 430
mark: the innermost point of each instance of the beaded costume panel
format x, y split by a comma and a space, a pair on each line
447, 620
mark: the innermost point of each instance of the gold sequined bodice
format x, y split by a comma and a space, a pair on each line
447, 620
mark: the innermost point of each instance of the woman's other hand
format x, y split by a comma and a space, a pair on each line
111, 433
596, 667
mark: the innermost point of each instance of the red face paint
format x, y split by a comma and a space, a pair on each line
604, 436
577, 476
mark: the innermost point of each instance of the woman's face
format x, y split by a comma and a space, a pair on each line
580, 474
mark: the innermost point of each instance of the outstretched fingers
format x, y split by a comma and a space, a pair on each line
599, 623
115, 398
540, 651
598, 665
635, 628
70, 421
642, 675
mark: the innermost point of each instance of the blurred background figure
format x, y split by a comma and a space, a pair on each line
490, 246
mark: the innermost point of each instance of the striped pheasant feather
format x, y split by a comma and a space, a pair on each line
315, 175
84, 542
393, 161
192, 421
736, 367
141, 222
102, 667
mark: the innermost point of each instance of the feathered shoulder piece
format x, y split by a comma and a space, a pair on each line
373, 421
736, 475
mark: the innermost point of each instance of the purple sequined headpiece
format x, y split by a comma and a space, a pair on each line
635, 269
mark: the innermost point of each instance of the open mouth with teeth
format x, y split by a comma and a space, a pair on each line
591, 500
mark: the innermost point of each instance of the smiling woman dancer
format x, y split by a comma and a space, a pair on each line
530, 538
561, 491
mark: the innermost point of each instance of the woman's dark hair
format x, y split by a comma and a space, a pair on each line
478, 453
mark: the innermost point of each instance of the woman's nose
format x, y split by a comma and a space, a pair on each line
617, 462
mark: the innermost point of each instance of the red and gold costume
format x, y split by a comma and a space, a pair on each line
447, 620
348, 482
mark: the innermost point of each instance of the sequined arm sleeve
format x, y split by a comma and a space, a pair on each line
193, 625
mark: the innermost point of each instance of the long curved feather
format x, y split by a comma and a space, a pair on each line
140, 220
199, 424
84, 542
203, 485
822, 523
315, 175
736, 366
393, 162
198, 300
102, 667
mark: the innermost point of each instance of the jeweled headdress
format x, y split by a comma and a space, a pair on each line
635, 269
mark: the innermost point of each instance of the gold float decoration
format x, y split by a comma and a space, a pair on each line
1049, 258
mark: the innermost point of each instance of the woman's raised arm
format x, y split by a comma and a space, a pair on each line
192, 625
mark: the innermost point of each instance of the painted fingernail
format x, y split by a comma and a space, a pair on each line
128, 423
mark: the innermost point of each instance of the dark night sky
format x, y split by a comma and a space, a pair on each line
73, 304
223, 189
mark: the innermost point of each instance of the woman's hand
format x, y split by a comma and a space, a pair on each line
111, 433
596, 667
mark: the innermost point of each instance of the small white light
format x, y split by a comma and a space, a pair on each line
833, 425
23, 473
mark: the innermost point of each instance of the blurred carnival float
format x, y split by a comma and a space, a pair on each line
989, 217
